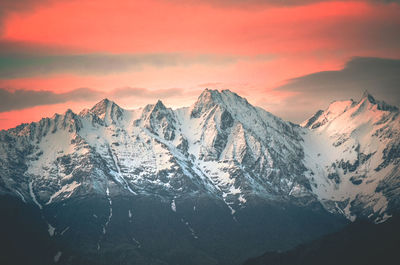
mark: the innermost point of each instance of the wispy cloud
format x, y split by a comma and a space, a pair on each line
26, 65
23, 99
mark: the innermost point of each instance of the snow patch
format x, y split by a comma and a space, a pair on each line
348, 213
382, 219
65, 230
190, 228
242, 199
57, 256
22, 196
66, 190
173, 205
33, 195
51, 229
137, 242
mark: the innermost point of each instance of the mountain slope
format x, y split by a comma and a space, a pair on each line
221, 145
360, 243
353, 157
215, 182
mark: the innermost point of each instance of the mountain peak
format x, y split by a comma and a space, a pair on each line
210, 94
210, 98
381, 105
69, 112
153, 108
159, 105
337, 108
107, 109
367, 96
102, 106
207, 100
105, 101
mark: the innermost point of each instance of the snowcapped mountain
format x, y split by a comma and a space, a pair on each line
352, 156
220, 157
221, 145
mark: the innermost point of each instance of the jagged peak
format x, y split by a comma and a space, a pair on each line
209, 98
151, 108
336, 108
230, 93
102, 106
209, 95
220, 96
55, 116
381, 105
159, 106
69, 112
309, 122
321, 117
104, 101
106, 110
367, 96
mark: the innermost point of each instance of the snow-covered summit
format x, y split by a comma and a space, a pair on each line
107, 111
355, 144
211, 98
367, 105
159, 120
367, 98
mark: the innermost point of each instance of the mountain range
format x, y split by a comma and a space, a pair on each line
214, 183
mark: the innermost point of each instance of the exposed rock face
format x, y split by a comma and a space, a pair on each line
222, 151
221, 146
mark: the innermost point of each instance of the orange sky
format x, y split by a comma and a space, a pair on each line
173, 49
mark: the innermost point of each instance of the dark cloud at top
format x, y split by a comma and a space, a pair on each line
21, 5
17, 6
258, 3
11, 6
23, 99
26, 65
379, 76
244, 3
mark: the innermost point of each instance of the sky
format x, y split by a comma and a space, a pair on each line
291, 58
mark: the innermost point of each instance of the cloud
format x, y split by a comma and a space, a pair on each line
29, 48
21, 5
145, 93
27, 65
257, 3
13, 6
23, 99
379, 76
137, 27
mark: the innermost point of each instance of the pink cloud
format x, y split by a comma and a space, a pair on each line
271, 44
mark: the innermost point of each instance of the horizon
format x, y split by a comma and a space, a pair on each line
188, 106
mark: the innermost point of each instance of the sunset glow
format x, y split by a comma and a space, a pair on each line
173, 49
